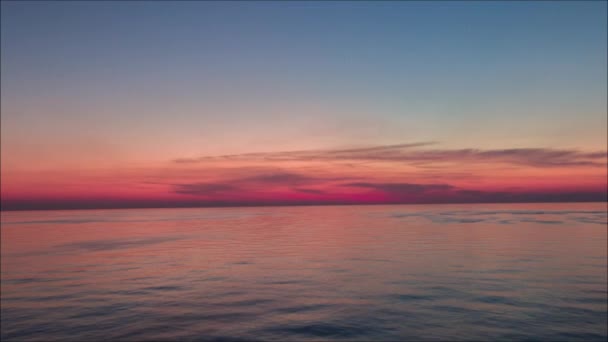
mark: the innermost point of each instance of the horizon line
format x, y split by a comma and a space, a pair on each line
295, 205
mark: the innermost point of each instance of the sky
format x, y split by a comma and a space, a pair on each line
152, 103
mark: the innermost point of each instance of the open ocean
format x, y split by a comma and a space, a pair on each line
324, 273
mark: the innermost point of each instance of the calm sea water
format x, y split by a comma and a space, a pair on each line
437, 272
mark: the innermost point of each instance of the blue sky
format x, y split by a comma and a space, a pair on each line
388, 64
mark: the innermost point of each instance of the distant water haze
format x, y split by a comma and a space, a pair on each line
322, 273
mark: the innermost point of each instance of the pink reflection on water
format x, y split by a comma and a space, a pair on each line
264, 261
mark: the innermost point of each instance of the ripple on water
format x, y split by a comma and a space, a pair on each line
298, 274
320, 330
303, 308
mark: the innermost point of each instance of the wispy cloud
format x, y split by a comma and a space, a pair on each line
402, 188
266, 180
403, 173
203, 188
350, 153
310, 191
414, 153
288, 178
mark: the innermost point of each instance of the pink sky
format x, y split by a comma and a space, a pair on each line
402, 173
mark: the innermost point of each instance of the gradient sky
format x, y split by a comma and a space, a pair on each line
129, 104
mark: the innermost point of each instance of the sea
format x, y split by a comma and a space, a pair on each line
491, 272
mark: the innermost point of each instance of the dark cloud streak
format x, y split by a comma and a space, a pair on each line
310, 191
203, 188
402, 188
409, 153
279, 178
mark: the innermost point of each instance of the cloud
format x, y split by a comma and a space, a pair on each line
278, 178
284, 178
266, 180
310, 191
411, 153
381, 148
203, 188
540, 157
402, 188
306, 154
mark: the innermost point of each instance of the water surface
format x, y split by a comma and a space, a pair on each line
436, 272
